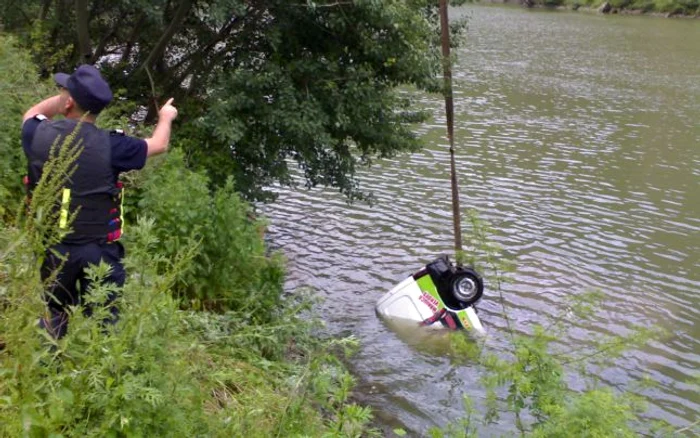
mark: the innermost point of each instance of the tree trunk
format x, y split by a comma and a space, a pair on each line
102, 45
135, 32
175, 25
83, 30
44, 12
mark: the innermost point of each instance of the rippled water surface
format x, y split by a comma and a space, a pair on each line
579, 141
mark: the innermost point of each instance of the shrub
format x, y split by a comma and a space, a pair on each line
620, 3
161, 371
551, 3
19, 88
230, 269
96, 381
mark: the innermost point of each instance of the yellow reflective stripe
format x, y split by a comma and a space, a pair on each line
121, 212
65, 203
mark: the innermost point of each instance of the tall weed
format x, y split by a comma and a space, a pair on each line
19, 90
230, 269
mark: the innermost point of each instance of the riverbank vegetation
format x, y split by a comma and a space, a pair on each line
207, 343
665, 7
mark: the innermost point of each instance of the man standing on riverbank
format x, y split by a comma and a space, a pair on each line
93, 190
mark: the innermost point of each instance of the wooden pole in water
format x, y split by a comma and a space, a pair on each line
449, 110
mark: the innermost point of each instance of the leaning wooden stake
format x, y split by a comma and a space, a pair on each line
449, 110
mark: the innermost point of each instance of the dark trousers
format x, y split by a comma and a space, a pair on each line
72, 284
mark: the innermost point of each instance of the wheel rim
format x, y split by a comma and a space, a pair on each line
466, 289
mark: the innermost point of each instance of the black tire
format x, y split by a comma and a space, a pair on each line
466, 287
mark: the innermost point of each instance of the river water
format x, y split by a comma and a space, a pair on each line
578, 139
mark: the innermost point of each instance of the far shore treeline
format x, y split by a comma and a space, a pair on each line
668, 8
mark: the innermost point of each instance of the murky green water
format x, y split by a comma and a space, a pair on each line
579, 140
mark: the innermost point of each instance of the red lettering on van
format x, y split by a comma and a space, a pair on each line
429, 301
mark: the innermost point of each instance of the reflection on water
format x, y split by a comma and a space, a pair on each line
578, 141
430, 341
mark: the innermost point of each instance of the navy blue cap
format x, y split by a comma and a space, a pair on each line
87, 87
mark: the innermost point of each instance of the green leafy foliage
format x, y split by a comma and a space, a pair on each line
324, 100
259, 370
161, 371
93, 382
230, 268
17, 96
263, 87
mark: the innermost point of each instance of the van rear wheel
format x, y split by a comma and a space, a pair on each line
466, 287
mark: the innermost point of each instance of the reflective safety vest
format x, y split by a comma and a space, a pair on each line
92, 189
